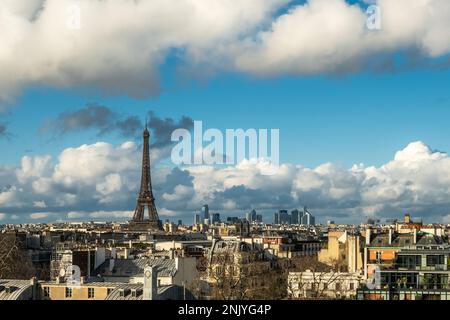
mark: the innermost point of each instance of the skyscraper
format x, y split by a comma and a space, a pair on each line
215, 218
282, 217
253, 212
276, 218
251, 216
285, 218
197, 218
308, 219
300, 216
294, 216
205, 212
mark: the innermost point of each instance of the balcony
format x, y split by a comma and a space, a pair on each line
438, 267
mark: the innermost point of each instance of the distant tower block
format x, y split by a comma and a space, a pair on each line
146, 200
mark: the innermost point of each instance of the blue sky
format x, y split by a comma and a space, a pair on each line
351, 119
340, 92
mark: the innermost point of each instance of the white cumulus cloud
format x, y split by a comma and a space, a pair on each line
119, 46
102, 180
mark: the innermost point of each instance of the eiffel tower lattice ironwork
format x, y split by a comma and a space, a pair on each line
146, 198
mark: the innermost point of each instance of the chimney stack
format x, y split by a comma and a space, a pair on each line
33, 281
368, 234
112, 263
150, 283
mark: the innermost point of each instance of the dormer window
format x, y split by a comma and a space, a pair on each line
10, 290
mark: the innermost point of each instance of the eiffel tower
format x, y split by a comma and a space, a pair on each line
146, 200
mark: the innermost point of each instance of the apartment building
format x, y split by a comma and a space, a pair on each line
421, 272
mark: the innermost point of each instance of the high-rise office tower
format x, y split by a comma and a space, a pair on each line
294, 216
276, 218
285, 218
205, 212
308, 219
215, 218
253, 214
197, 218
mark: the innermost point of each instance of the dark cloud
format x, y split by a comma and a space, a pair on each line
163, 128
3, 129
178, 177
129, 127
92, 117
106, 121
4, 133
248, 198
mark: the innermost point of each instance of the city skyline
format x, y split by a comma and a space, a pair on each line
363, 132
223, 158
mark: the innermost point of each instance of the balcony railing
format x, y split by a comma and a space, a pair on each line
438, 267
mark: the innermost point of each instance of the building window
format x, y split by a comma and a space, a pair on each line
433, 260
91, 293
110, 291
46, 292
352, 286
68, 292
410, 262
378, 256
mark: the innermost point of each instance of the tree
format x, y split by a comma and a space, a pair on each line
236, 275
226, 277
311, 279
14, 262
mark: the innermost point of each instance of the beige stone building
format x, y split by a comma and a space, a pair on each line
344, 250
84, 291
323, 285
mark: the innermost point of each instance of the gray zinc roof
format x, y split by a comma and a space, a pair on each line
129, 268
20, 289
